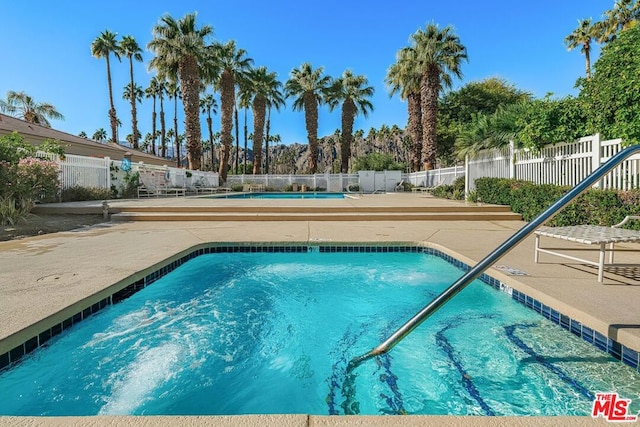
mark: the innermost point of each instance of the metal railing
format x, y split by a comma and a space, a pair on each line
350, 405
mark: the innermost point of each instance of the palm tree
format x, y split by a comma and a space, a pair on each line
24, 107
83, 134
232, 62
99, 135
180, 45
102, 47
162, 90
245, 96
208, 104
275, 99
309, 87
404, 78
137, 93
439, 54
582, 37
152, 92
624, 14
352, 91
129, 48
173, 92
266, 92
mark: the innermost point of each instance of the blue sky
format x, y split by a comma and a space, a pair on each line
46, 48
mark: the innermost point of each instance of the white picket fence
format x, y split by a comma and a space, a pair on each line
561, 164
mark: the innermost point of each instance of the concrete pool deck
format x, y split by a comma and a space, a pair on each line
44, 278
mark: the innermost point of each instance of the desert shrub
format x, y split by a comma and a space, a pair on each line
236, 187
79, 194
454, 191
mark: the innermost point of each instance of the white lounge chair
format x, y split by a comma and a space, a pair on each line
590, 235
153, 184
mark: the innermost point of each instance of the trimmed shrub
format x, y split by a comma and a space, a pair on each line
79, 194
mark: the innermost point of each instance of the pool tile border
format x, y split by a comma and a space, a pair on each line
622, 353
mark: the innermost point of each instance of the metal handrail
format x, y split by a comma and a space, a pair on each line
348, 386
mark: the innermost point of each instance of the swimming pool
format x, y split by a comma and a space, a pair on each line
300, 195
256, 332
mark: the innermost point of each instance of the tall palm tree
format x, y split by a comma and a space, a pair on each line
152, 92
209, 104
245, 95
83, 134
99, 135
232, 62
266, 92
354, 93
102, 47
173, 92
181, 45
439, 55
275, 99
136, 94
24, 107
129, 48
309, 87
404, 78
624, 14
162, 90
582, 37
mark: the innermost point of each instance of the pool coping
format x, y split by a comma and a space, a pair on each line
16, 346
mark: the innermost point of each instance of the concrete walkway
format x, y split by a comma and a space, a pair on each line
43, 279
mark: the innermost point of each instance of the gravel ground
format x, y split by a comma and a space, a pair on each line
35, 225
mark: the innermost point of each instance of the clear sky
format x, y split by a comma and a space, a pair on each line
45, 48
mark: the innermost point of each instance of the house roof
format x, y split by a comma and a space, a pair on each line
36, 134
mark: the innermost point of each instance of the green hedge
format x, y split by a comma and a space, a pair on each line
594, 206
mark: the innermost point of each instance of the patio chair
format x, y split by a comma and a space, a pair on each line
154, 184
590, 235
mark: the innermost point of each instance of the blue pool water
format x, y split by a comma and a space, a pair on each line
246, 333
284, 196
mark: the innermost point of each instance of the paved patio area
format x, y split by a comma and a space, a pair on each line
43, 279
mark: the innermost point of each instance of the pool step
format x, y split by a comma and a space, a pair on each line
315, 216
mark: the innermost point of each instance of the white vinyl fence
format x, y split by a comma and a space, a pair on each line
560, 164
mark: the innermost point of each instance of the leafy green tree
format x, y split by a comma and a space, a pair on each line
309, 87
612, 96
129, 48
102, 47
439, 55
26, 108
549, 121
353, 92
180, 45
377, 162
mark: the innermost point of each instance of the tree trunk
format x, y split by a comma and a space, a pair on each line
134, 113
266, 142
190, 85
429, 88
237, 159
153, 127
259, 110
246, 136
311, 123
415, 129
227, 100
346, 139
163, 129
176, 135
210, 126
113, 118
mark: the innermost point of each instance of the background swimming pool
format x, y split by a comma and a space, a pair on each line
245, 333
305, 195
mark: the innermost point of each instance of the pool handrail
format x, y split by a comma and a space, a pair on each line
479, 268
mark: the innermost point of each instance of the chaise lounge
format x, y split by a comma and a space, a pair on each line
590, 235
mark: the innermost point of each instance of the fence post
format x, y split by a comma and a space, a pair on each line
466, 177
596, 156
107, 160
512, 159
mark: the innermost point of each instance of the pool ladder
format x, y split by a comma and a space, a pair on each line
350, 405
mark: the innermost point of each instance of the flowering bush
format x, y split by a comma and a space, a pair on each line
23, 179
